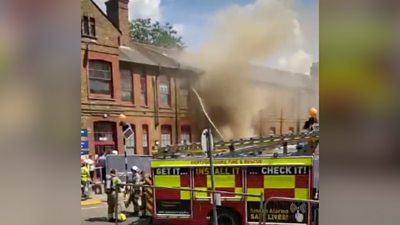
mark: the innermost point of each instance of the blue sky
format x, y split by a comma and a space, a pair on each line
192, 19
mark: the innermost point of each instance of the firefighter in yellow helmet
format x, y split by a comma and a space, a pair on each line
308, 125
114, 197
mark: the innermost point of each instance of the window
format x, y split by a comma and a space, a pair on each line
100, 77
85, 25
184, 93
130, 142
164, 91
92, 26
88, 26
104, 136
185, 135
145, 129
143, 88
165, 135
126, 85
272, 130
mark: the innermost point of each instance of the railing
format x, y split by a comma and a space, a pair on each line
263, 202
227, 146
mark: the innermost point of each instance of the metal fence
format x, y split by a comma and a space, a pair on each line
263, 202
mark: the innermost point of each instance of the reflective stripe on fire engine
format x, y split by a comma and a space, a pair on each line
186, 195
301, 193
167, 181
232, 162
201, 194
222, 181
280, 181
256, 191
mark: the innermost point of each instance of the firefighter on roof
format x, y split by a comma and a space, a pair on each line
311, 123
135, 193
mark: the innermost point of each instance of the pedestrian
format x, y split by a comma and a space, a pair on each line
101, 162
91, 166
114, 197
85, 180
134, 193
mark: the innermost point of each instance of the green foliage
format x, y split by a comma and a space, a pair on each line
149, 32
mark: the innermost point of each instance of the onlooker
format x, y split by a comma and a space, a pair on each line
85, 179
101, 162
91, 166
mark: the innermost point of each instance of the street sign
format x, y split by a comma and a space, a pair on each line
84, 132
128, 133
84, 145
84, 152
204, 136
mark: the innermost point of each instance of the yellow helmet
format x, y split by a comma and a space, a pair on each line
122, 217
313, 112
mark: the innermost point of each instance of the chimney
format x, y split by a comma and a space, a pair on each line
117, 11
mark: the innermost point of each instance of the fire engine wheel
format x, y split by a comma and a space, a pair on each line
228, 217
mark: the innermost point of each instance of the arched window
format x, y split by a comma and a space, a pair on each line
100, 77
130, 142
185, 135
165, 92
166, 133
145, 133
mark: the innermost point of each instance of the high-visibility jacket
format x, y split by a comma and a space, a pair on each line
115, 182
85, 174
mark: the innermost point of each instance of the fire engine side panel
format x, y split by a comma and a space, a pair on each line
227, 178
279, 181
282, 177
172, 201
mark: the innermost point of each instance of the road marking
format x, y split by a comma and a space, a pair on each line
94, 207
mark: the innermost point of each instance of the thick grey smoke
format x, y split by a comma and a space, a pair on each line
240, 34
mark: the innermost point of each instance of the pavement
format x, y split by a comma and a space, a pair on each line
94, 212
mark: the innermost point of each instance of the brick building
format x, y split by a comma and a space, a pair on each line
290, 97
119, 76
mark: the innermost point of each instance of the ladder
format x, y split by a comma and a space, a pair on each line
243, 145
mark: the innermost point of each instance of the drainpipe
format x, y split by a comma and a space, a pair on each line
155, 90
176, 112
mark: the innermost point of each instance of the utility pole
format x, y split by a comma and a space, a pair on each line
210, 155
281, 122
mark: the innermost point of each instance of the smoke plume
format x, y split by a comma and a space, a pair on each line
239, 35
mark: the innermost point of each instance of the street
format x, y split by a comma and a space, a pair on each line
97, 215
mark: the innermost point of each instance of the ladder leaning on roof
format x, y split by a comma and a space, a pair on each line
240, 144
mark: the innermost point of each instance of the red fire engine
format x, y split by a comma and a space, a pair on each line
290, 177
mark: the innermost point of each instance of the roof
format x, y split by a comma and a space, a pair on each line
154, 56
138, 53
261, 74
105, 15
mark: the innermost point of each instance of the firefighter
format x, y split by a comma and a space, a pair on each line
85, 179
309, 124
134, 193
113, 190
143, 196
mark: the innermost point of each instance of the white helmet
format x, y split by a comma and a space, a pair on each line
135, 168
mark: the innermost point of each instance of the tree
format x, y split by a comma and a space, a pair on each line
149, 32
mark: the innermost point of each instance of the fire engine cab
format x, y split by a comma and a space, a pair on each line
290, 177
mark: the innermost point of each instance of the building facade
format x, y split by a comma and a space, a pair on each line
152, 89
119, 76
289, 96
